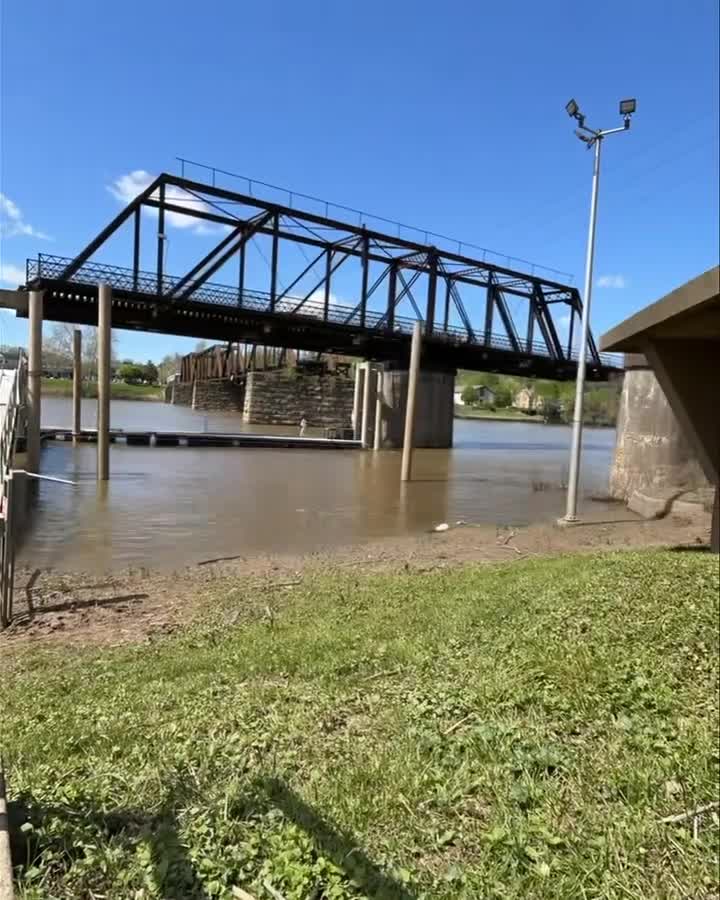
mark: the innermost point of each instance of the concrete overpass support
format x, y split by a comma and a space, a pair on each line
434, 408
652, 453
688, 372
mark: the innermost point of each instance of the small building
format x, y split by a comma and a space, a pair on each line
482, 394
528, 401
485, 395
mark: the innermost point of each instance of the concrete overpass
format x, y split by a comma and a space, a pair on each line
678, 337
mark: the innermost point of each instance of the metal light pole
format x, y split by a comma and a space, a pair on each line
594, 139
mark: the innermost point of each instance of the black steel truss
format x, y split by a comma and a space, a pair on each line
444, 274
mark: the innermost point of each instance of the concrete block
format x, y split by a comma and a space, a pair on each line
651, 505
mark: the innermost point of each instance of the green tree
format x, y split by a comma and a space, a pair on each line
150, 372
169, 366
504, 395
131, 373
469, 395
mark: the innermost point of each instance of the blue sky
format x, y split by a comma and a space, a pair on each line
446, 116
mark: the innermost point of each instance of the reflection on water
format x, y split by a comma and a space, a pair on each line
168, 507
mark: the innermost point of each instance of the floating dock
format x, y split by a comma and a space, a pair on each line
146, 438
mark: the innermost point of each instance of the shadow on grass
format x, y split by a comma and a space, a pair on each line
339, 846
51, 838
60, 834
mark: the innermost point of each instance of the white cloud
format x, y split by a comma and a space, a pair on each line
11, 275
12, 223
612, 281
316, 304
127, 187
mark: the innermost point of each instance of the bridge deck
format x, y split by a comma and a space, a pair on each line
220, 313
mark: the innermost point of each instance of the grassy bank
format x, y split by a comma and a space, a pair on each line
504, 731
62, 387
503, 415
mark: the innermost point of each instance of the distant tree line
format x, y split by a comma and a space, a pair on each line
58, 354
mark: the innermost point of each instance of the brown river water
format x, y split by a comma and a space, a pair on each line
165, 508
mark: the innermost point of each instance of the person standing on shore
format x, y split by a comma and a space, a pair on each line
303, 426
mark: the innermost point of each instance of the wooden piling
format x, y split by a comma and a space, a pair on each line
103, 366
77, 382
406, 467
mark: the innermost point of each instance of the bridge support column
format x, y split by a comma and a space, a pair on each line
652, 453
357, 399
434, 409
103, 367
35, 317
77, 383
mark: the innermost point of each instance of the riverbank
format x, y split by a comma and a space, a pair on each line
132, 605
374, 729
499, 415
63, 387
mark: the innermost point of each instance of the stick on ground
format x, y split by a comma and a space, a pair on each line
683, 817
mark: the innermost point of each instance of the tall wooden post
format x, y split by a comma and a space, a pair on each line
378, 408
406, 468
103, 375
35, 315
366, 404
357, 400
77, 382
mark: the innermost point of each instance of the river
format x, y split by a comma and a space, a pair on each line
168, 507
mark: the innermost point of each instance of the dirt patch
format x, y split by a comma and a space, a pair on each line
139, 605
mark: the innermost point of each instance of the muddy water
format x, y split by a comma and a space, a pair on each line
169, 507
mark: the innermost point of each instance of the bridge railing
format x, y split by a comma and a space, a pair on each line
51, 267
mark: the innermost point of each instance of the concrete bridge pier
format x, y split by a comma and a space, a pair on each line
380, 400
434, 408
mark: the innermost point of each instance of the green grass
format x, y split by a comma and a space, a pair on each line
62, 387
496, 732
505, 415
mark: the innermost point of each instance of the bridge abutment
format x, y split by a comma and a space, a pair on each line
653, 459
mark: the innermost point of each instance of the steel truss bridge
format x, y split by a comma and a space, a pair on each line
462, 302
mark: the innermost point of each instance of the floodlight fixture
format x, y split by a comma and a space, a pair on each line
572, 109
628, 107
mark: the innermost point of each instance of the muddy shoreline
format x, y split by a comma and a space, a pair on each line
140, 605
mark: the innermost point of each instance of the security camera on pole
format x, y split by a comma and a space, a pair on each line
592, 138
